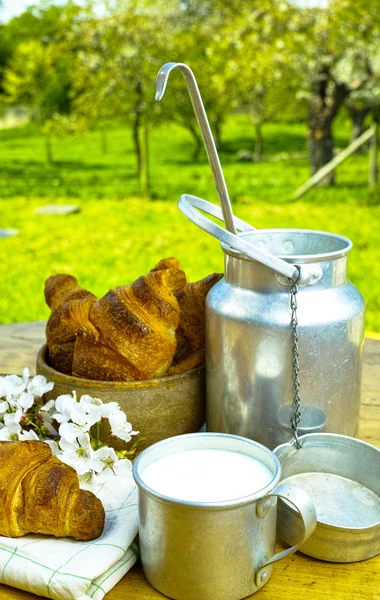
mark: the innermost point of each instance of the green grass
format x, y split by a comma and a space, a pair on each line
81, 170
118, 236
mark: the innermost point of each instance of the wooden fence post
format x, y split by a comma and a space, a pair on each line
373, 170
337, 160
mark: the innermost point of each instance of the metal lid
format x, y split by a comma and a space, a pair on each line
295, 245
342, 476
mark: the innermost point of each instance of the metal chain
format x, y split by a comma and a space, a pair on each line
295, 357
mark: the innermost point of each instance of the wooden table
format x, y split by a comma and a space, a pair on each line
295, 578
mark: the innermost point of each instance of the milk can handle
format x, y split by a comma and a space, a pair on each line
302, 503
188, 205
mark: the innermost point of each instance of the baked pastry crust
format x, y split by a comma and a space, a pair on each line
70, 306
135, 327
150, 328
41, 494
191, 331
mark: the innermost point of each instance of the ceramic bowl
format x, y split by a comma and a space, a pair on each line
157, 408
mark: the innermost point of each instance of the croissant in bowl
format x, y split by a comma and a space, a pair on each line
150, 328
70, 306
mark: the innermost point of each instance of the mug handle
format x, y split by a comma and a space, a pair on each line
301, 501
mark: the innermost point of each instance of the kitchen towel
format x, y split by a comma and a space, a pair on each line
67, 569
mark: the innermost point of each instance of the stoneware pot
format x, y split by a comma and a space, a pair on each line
157, 408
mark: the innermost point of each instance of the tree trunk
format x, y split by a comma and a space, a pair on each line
140, 139
321, 151
197, 142
323, 108
358, 116
258, 142
136, 140
218, 132
103, 140
48, 150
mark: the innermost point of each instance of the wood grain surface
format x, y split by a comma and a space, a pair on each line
298, 577
19, 344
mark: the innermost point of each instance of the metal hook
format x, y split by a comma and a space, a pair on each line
200, 113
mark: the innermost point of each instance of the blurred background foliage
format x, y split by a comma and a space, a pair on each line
285, 85
74, 67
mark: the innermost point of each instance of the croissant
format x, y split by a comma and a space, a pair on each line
133, 330
58, 288
167, 263
190, 335
70, 305
40, 494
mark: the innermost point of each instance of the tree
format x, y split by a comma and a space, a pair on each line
45, 23
265, 77
194, 42
37, 64
38, 76
365, 102
237, 53
334, 48
118, 57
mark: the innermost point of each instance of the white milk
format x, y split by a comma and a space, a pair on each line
207, 475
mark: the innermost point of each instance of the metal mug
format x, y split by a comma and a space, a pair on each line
214, 550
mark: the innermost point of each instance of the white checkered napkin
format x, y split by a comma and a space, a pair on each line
64, 568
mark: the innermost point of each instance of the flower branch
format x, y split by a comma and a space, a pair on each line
81, 432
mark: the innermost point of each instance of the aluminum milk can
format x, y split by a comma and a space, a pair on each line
255, 355
249, 340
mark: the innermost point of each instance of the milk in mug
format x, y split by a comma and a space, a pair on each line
207, 475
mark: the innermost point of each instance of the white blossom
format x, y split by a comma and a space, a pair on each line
109, 408
88, 402
19, 394
46, 412
123, 468
63, 405
12, 402
39, 386
71, 431
120, 427
48, 424
12, 428
107, 456
25, 400
25, 376
79, 454
81, 422
12, 418
48, 406
112, 465
8, 434
89, 481
55, 450
12, 385
81, 417
28, 435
